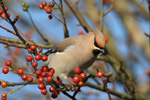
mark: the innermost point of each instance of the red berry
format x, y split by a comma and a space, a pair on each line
54, 95
37, 57
44, 74
41, 79
34, 64
44, 3
45, 68
81, 32
82, 75
51, 4
105, 1
3, 84
52, 70
6, 8
49, 10
80, 83
45, 8
20, 71
3, 15
44, 58
29, 58
8, 63
50, 17
44, 91
8, 14
33, 47
41, 6
147, 72
24, 77
5, 70
41, 86
106, 39
58, 82
99, 74
76, 79
50, 74
3, 98
49, 79
29, 51
30, 79
38, 72
51, 89
1, 11
4, 95
77, 70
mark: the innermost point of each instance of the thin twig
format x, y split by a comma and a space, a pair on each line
101, 15
8, 30
66, 33
108, 10
13, 25
43, 37
106, 88
18, 43
113, 92
78, 15
56, 18
20, 61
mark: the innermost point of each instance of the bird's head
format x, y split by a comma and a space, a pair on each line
99, 42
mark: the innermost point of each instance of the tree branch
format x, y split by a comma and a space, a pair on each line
113, 92
19, 44
78, 15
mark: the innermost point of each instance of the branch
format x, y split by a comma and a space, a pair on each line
19, 44
113, 92
125, 78
101, 15
78, 15
12, 24
44, 38
66, 33
108, 10
8, 30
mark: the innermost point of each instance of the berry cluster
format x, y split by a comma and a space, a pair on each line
2, 14
79, 76
44, 75
4, 96
47, 8
25, 6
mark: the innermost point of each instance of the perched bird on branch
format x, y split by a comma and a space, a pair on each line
78, 51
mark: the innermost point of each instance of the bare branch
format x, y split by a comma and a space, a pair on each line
101, 15
43, 37
108, 10
78, 15
66, 33
19, 44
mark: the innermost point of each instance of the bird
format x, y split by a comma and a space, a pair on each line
77, 51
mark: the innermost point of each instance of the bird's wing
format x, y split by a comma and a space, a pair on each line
66, 43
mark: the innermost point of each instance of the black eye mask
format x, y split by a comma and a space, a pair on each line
95, 43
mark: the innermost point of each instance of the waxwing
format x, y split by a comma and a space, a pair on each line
78, 51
